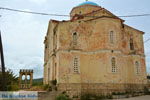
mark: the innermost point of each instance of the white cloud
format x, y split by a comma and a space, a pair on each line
38, 1
23, 37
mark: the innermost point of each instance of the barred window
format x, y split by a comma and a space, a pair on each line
76, 65
74, 38
111, 34
113, 62
131, 44
137, 65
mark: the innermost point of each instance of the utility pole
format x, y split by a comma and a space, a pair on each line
2, 64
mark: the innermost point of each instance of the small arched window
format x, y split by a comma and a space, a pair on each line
28, 77
131, 44
74, 38
113, 62
23, 77
137, 67
111, 34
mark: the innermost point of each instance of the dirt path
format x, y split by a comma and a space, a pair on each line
146, 97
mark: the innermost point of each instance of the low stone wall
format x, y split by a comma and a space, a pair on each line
99, 88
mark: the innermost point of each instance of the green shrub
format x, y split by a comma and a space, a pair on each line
54, 82
47, 87
146, 91
95, 97
10, 80
119, 93
75, 96
114, 93
85, 97
55, 88
62, 97
109, 97
64, 92
37, 83
13, 87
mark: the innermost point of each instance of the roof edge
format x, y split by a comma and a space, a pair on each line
134, 28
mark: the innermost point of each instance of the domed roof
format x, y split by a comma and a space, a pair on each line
88, 3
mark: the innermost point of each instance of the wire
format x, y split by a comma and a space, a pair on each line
136, 15
23, 11
47, 14
147, 40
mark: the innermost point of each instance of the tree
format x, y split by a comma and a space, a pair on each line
12, 81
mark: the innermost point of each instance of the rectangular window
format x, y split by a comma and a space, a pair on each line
75, 38
137, 65
111, 37
113, 62
131, 44
76, 65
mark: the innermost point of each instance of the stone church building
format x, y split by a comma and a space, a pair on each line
94, 52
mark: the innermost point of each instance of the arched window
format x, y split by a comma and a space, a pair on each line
28, 77
23, 77
137, 67
113, 62
74, 38
76, 65
131, 44
111, 34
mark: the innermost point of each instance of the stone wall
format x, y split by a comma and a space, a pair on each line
99, 88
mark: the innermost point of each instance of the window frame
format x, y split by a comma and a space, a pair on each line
113, 65
131, 43
76, 65
137, 67
111, 37
74, 38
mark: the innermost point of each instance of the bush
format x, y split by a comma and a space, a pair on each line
109, 97
119, 93
12, 87
55, 88
62, 97
54, 82
86, 96
75, 96
37, 82
10, 81
47, 87
95, 97
146, 91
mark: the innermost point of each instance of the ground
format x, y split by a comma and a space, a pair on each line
146, 97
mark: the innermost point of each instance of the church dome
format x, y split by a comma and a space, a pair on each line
88, 3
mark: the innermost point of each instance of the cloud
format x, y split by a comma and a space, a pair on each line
38, 1
23, 36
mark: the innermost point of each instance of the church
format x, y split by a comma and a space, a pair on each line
94, 52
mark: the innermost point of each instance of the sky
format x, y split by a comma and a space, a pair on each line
23, 34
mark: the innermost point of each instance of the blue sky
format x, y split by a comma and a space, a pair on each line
23, 34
